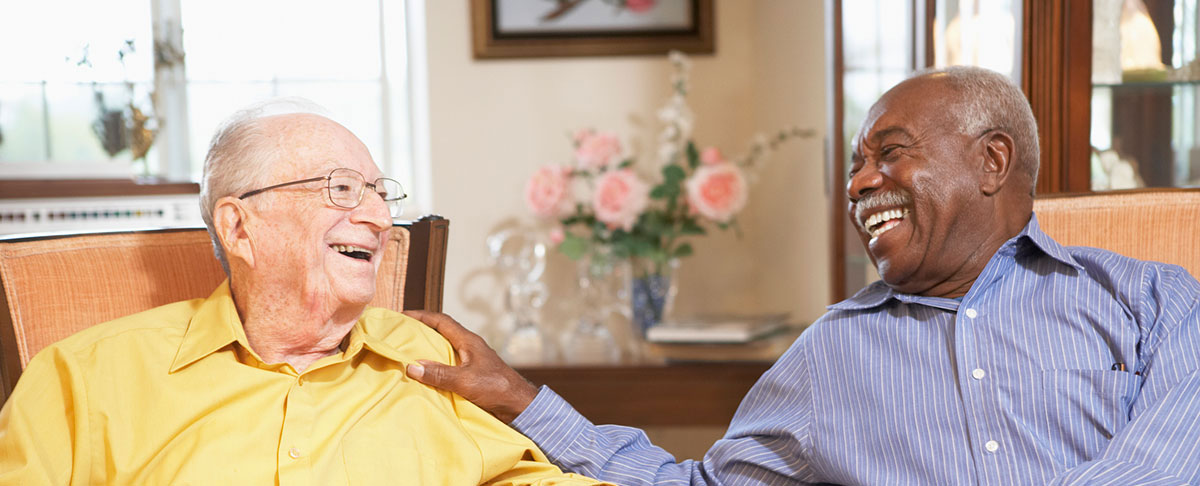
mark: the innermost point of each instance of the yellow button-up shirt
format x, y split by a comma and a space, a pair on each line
175, 395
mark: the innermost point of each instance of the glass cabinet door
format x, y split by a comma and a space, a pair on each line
1145, 76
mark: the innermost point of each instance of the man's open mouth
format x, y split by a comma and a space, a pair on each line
353, 252
879, 223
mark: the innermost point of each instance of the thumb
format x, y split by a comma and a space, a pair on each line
431, 373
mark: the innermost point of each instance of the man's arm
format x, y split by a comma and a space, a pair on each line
1161, 444
759, 448
42, 422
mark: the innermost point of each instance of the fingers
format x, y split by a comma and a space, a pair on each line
430, 373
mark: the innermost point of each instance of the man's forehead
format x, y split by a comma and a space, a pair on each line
313, 145
907, 107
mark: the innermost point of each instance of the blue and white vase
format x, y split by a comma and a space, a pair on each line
653, 296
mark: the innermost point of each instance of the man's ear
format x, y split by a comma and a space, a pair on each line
230, 221
997, 162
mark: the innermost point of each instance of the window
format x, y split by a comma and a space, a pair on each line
67, 92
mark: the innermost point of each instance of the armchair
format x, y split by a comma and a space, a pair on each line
1150, 224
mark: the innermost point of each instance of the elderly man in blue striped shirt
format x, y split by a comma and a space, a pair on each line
988, 353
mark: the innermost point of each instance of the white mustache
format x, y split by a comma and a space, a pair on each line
880, 199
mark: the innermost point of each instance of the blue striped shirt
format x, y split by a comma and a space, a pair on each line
1013, 385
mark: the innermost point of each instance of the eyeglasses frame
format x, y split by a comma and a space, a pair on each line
329, 193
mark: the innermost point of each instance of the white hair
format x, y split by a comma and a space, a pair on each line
238, 158
989, 101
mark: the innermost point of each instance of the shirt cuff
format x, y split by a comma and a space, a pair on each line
552, 423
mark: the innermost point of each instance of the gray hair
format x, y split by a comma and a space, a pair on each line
238, 158
990, 100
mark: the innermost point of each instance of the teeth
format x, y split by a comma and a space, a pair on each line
876, 221
350, 248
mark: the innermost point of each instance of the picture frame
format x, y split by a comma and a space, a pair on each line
564, 28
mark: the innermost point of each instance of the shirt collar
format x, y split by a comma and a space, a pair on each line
1031, 238
217, 324
1033, 234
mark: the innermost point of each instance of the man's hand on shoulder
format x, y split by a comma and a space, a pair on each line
481, 376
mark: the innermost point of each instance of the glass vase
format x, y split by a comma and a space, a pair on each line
520, 259
589, 341
653, 292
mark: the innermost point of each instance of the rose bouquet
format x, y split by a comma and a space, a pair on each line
604, 208
602, 204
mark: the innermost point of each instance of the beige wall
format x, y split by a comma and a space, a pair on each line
493, 122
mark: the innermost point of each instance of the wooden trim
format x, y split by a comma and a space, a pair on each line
1056, 77
1077, 148
835, 151
428, 237
928, 14
487, 45
56, 188
651, 395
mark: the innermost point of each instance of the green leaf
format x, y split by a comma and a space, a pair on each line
673, 174
693, 156
573, 246
690, 227
659, 192
684, 249
625, 163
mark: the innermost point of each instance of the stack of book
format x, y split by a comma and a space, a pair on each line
722, 338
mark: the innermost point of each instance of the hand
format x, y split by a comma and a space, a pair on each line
481, 376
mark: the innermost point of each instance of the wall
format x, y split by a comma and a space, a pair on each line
493, 122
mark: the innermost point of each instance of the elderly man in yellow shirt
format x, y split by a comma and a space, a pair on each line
282, 375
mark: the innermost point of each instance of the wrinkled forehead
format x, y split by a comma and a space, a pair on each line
312, 145
912, 106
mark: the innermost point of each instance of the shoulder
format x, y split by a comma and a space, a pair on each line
168, 321
409, 338
1120, 270
151, 337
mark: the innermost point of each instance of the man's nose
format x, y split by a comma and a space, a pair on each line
864, 181
374, 211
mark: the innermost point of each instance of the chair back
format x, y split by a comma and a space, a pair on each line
56, 285
1149, 224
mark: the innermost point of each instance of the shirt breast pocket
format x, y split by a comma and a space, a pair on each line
1084, 409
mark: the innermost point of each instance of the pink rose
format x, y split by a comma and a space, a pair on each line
717, 192
596, 150
620, 198
547, 192
712, 156
639, 6
557, 235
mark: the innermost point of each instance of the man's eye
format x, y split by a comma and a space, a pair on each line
889, 151
339, 188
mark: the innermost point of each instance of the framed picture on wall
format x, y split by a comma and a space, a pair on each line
549, 28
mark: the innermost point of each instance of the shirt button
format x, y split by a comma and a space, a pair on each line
971, 313
991, 446
294, 453
978, 374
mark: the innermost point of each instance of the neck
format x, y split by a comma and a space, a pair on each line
279, 331
963, 278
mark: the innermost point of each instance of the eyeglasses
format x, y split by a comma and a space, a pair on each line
345, 188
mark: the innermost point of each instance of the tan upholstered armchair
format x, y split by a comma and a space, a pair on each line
56, 285
1150, 224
